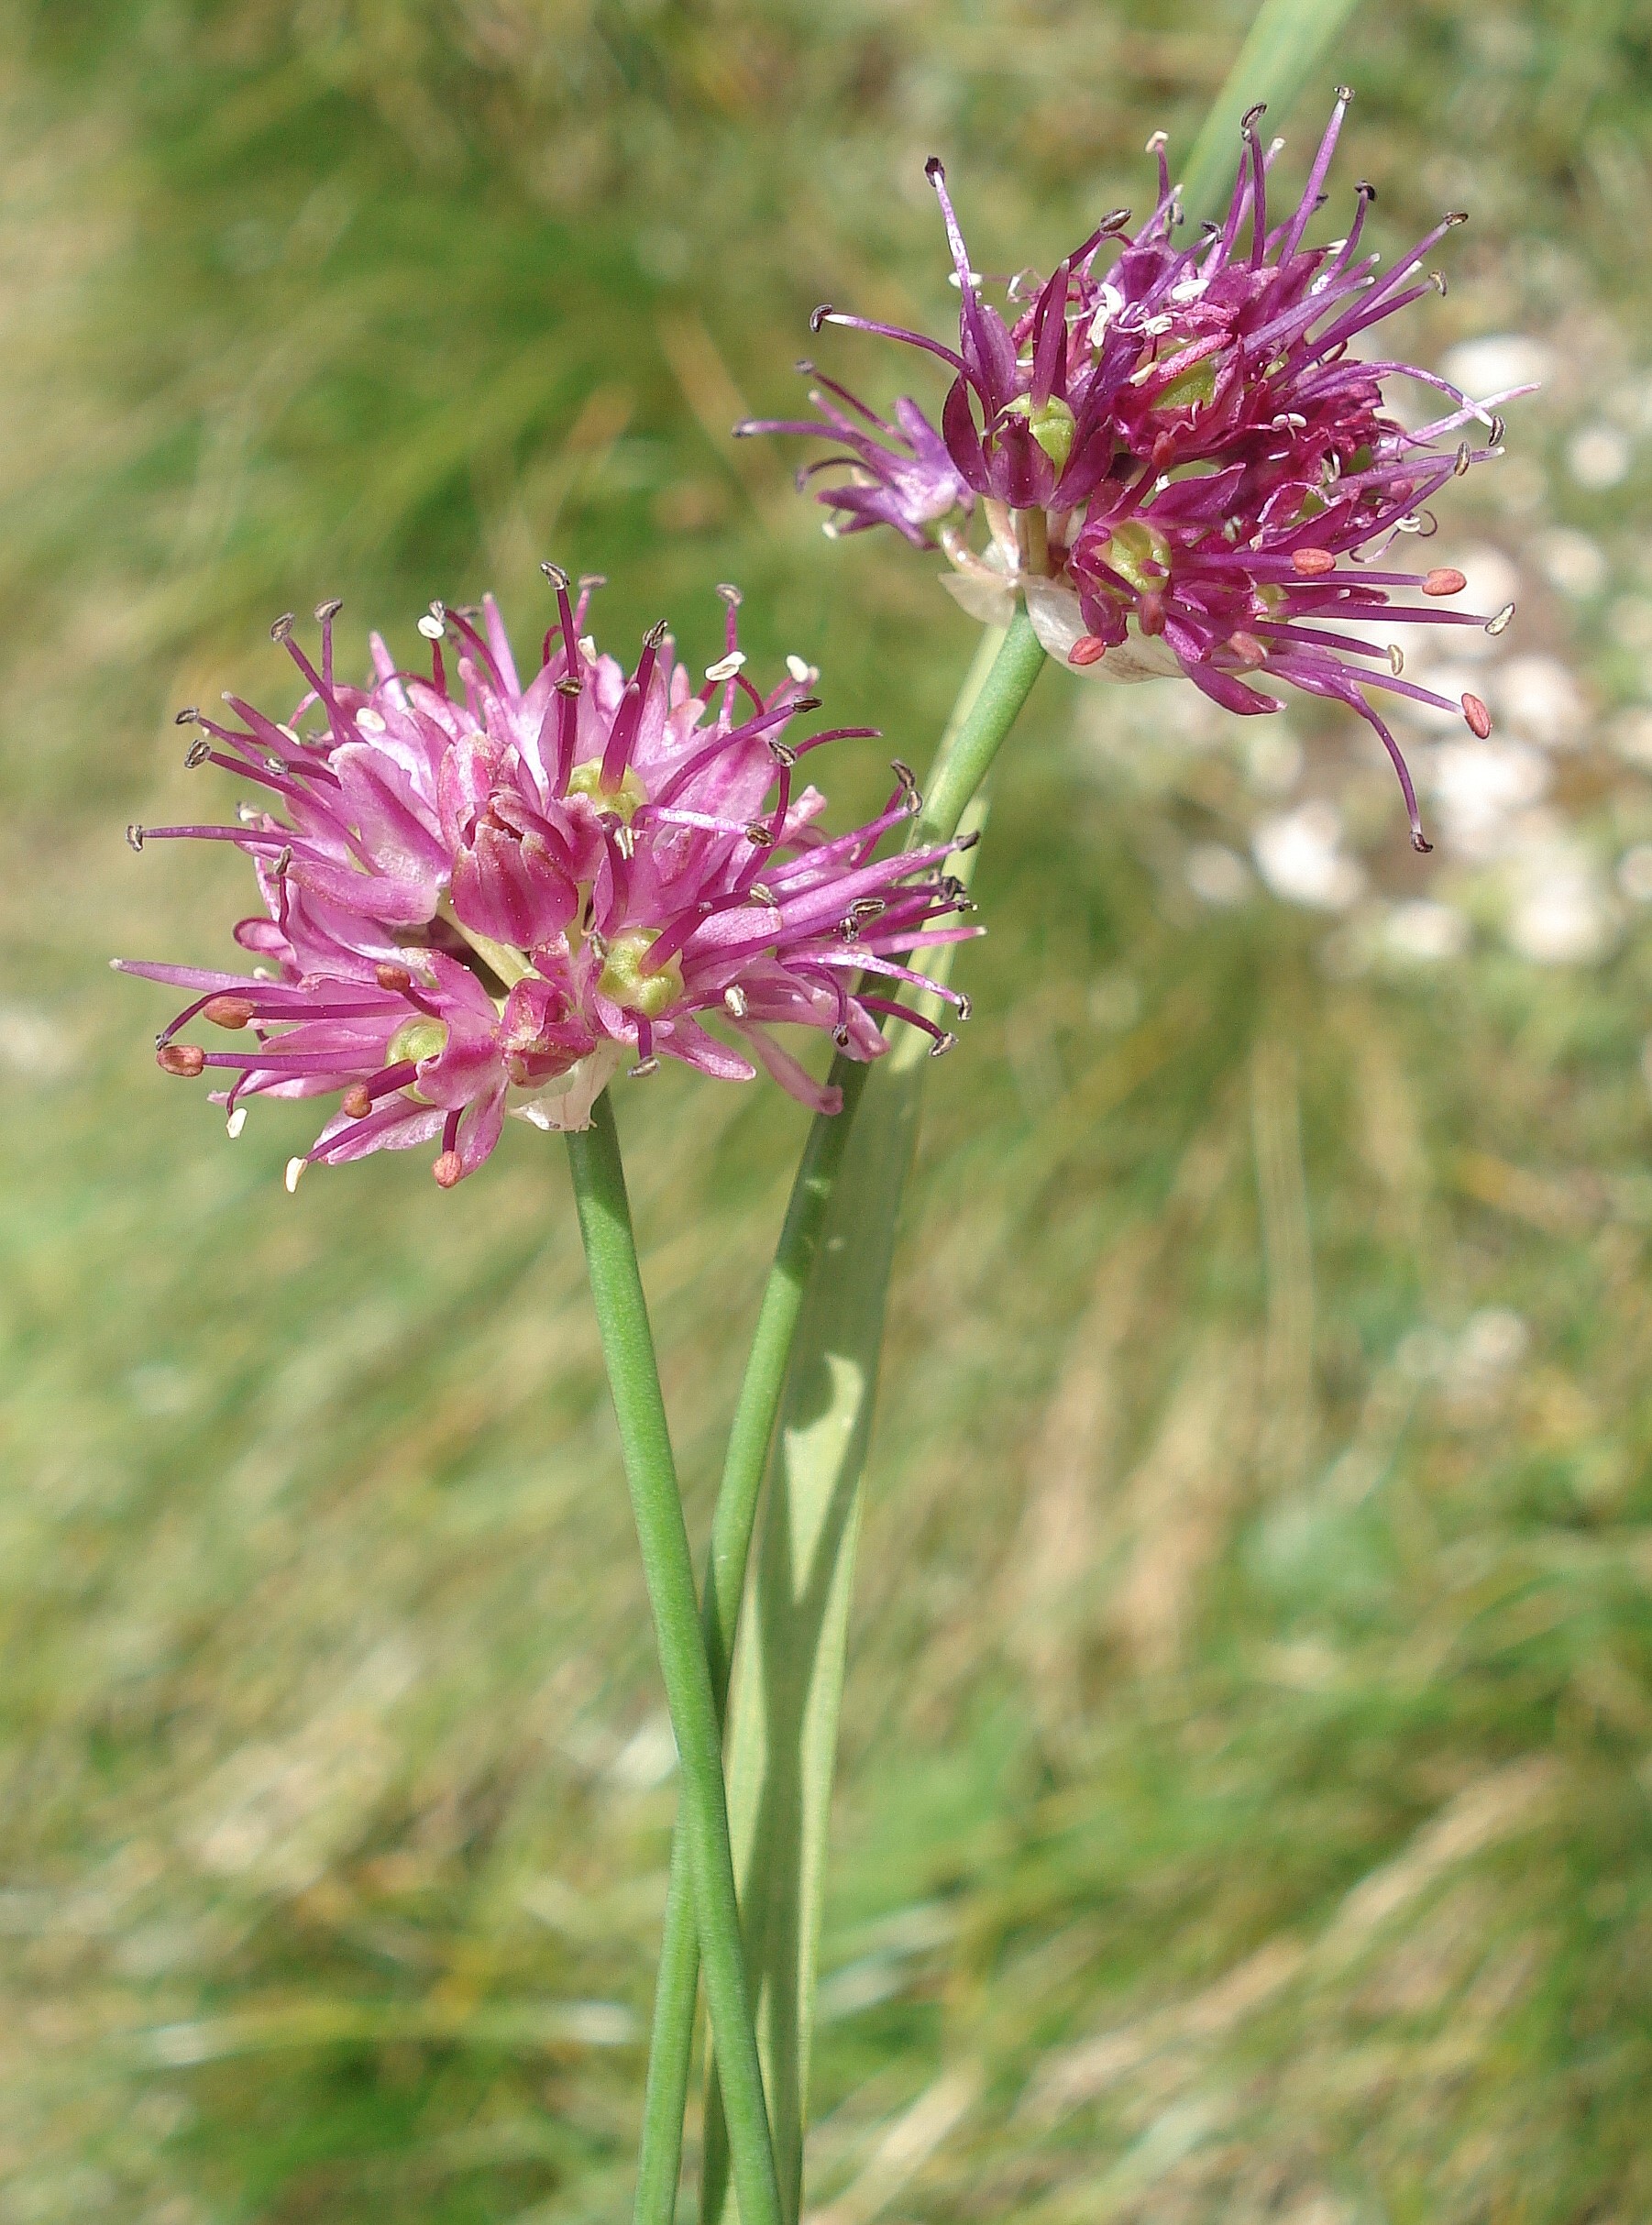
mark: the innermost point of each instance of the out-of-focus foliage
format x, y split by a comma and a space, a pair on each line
1247, 1804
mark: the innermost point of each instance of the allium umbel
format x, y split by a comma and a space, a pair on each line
482, 898
1178, 454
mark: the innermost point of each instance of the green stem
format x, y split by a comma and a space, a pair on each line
660, 2163
969, 741
622, 1312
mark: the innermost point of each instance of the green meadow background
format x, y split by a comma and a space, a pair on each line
1248, 1745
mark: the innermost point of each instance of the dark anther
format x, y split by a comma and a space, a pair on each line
1345, 94
934, 169
804, 703
952, 888
965, 1006
840, 1035
1248, 121
782, 753
760, 836
644, 1068
1465, 456
804, 367
599, 944
866, 909
1421, 844
656, 633
761, 893
186, 718
330, 609
198, 751
1456, 216
847, 930
1365, 191
942, 1044
1497, 431
278, 870
282, 626
966, 841
554, 574
909, 785
1437, 278
731, 595
816, 317
135, 836
1116, 219
570, 687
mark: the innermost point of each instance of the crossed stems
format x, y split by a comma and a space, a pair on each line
696, 1643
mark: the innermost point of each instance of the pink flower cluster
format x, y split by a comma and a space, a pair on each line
1184, 458
482, 898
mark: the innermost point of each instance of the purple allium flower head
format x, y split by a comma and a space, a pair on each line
480, 897
1184, 465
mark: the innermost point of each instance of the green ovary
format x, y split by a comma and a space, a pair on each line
1191, 389
625, 800
417, 1039
1129, 548
622, 977
1050, 422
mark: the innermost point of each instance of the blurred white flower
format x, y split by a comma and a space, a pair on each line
1572, 562
1425, 934
1540, 699
1479, 789
1216, 875
1559, 912
1272, 758
1299, 854
1629, 731
1635, 874
1629, 621
1599, 456
1501, 360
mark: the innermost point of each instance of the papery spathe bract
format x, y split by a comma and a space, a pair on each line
1183, 466
482, 898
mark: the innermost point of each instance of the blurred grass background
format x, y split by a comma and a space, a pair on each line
1249, 1738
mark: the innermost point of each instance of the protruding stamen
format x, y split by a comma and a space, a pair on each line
187, 718
198, 751
1396, 659
1312, 563
356, 1101
183, 1059
734, 1001
946, 1041
1478, 716
448, 1169
295, 1174
1500, 623
231, 1012
644, 1068
134, 836
909, 785
395, 978
555, 575
236, 1122
432, 627
1445, 579
726, 666
326, 612
731, 594
282, 626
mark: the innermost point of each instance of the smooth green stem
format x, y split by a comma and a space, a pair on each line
969, 746
621, 1311
659, 2166
666, 2099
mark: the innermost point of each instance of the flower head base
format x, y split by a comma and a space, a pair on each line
482, 898
1178, 454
